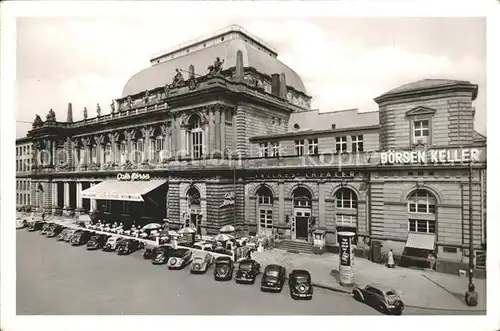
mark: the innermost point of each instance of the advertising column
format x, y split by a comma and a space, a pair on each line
346, 258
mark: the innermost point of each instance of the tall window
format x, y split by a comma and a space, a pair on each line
275, 149
263, 148
422, 226
140, 150
313, 146
93, 153
156, 148
299, 147
341, 144
357, 143
421, 132
123, 152
107, 153
196, 137
346, 198
421, 201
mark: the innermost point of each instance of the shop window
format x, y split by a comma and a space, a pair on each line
421, 132
421, 201
341, 144
422, 226
313, 146
357, 143
299, 147
263, 150
346, 198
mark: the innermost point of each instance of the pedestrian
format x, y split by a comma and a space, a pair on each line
43, 217
390, 259
432, 261
249, 254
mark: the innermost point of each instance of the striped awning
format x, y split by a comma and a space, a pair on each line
425, 241
121, 190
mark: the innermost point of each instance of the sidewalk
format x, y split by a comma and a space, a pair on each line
426, 289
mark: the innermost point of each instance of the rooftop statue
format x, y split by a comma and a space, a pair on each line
113, 109
129, 101
51, 116
98, 110
37, 122
178, 78
146, 96
216, 68
85, 113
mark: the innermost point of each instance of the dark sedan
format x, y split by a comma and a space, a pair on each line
97, 241
35, 226
224, 267
161, 254
381, 297
128, 246
300, 284
55, 230
247, 271
273, 278
46, 228
80, 238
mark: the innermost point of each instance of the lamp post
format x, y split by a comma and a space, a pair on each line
471, 294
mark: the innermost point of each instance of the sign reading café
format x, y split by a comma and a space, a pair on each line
134, 176
438, 156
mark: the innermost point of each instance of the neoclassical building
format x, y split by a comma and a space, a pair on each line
219, 131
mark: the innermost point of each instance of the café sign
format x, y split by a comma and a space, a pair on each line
228, 200
441, 156
134, 176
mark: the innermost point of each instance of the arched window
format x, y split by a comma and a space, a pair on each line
422, 202
346, 198
265, 196
265, 210
196, 136
302, 198
194, 206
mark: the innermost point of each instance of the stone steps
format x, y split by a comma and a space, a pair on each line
295, 246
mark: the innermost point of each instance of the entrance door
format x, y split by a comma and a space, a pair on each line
266, 221
302, 216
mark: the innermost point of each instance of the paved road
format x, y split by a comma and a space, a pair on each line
56, 278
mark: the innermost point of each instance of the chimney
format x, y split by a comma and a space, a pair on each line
191, 71
70, 113
239, 72
283, 91
275, 84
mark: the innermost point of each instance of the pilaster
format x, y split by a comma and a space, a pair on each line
66, 196
281, 202
223, 129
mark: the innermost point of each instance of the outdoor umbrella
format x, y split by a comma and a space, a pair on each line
223, 237
187, 231
151, 226
227, 229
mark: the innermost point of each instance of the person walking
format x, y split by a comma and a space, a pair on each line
390, 259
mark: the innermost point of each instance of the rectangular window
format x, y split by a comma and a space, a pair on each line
263, 150
265, 200
421, 132
28, 200
346, 220
197, 143
299, 147
357, 143
313, 146
422, 226
157, 148
266, 219
140, 150
341, 144
275, 149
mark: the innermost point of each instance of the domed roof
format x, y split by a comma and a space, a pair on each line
263, 60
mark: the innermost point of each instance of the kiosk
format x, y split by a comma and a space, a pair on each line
346, 258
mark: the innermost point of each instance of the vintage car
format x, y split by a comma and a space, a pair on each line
80, 238
161, 254
128, 246
70, 235
381, 297
46, 228
97, 241
179, 258
21, 223
300, 284
111, 243
201, 262
55, 230
247, 271
35, 226
224, 268
273, 278
63, 234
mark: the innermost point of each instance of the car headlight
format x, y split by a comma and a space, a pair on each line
173, 261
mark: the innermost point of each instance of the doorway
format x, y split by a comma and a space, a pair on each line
302, 212
302, 217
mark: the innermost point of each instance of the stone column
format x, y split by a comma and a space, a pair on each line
54, 196
66, 195
53, 153
281, 202
211, 130
93, 202
217, 130
79, 201
129, 134
321, 204
223, 129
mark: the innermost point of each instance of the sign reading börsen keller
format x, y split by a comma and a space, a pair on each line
465, 155
134, 176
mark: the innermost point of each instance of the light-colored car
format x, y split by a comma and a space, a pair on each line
201, 262
21, 223
111, 243
179, 258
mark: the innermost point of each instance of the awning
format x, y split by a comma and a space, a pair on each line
421, 240
121, 190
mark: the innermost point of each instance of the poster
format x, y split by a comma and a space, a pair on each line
345, 251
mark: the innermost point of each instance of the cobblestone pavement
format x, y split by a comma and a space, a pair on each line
420, 288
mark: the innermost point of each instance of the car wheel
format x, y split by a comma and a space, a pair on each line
357, 296
383, 309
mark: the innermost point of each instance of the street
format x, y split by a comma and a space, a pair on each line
56, 278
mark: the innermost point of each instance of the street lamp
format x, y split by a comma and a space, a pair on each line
471, 294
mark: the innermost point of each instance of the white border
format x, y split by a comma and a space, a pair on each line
11, 10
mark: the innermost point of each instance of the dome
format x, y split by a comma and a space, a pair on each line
263, 60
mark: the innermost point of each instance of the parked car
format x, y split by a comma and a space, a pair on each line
80, 238
63, 234
55, 230
273, 278
35, 226
128, 246
224, 267
381, 297
149, 252
97, 241
300, 284
46, 228
70, 235
247, 271
179, 258
161, 254
201, 262
21, 223
111, 243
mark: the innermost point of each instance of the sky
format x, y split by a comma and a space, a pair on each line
344, 62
